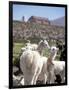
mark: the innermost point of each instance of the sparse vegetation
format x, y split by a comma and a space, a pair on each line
25, 30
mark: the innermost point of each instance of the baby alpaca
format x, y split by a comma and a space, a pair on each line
55, 67
50, 64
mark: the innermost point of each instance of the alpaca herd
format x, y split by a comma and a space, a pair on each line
36, 67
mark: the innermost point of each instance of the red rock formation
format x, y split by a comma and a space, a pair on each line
40, 20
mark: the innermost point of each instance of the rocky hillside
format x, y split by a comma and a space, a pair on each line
26, 30
59, 21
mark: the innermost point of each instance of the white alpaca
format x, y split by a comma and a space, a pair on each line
33, 46
47, 66
44, 73
59, 68
55, 67
30, 46
40, 47
31, 64
26, 47
50, 65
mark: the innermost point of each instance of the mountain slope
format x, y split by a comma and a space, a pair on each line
59, 22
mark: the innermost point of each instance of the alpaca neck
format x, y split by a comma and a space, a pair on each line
52, 56
49, 61
40, 49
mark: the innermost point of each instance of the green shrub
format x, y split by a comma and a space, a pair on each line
16, 61
62, 50
34, 39
63, 54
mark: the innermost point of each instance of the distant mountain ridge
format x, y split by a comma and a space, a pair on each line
59, 21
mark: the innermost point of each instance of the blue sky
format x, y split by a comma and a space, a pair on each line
43, 11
